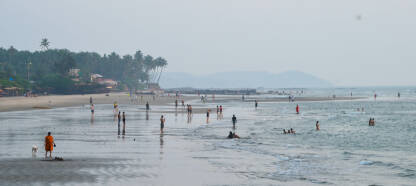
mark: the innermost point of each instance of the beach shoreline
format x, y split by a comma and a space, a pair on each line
8, 104
58, 101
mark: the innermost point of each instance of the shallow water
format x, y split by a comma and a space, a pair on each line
346, 151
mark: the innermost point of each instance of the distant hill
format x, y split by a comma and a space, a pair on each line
243, 79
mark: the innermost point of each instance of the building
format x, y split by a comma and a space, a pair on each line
96, 77
74, 72
109, 83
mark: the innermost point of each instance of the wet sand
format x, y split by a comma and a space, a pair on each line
95, 155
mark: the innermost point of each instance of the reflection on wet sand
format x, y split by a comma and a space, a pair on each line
92, 119
161, 145
147, 115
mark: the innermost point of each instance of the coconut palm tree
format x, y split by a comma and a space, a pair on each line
160, 64
44, 44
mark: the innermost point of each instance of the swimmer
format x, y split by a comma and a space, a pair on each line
230, 135
371, 122
235, 135
284, 131
292, 131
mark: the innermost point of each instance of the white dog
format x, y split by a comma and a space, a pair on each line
34, 149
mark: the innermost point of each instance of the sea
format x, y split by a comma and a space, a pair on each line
192, 151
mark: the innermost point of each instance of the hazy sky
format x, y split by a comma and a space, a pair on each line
326, 38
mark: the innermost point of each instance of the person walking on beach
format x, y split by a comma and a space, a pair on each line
208, 116
162, 123
119, 119
183, 103
92, 108
234, 119
297, 109
49, 144
220, 111
147, 106
317, 125
124, 123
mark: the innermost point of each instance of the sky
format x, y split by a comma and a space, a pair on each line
347, 42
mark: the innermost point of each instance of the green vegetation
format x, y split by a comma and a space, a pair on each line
47, 70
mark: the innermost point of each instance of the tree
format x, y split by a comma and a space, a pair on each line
44, 44
160, 64
63, 66
51, 64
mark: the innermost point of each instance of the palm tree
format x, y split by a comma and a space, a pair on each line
160, 64
44, 44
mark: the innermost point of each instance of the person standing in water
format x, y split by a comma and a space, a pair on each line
297, 109
371, 122
92, 108
90, 100
119, 119
234, 119
147, 106
255, 104
317, 125
49, 144
220, 112
176, 103
124, 123
162, 123
208, 116
398, 94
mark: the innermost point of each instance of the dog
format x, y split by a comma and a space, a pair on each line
34, 149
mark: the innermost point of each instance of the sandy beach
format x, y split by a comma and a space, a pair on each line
58, 101
192, 151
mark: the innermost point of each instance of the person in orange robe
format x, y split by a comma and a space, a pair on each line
49, 144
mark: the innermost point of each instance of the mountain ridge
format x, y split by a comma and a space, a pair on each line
243, 79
